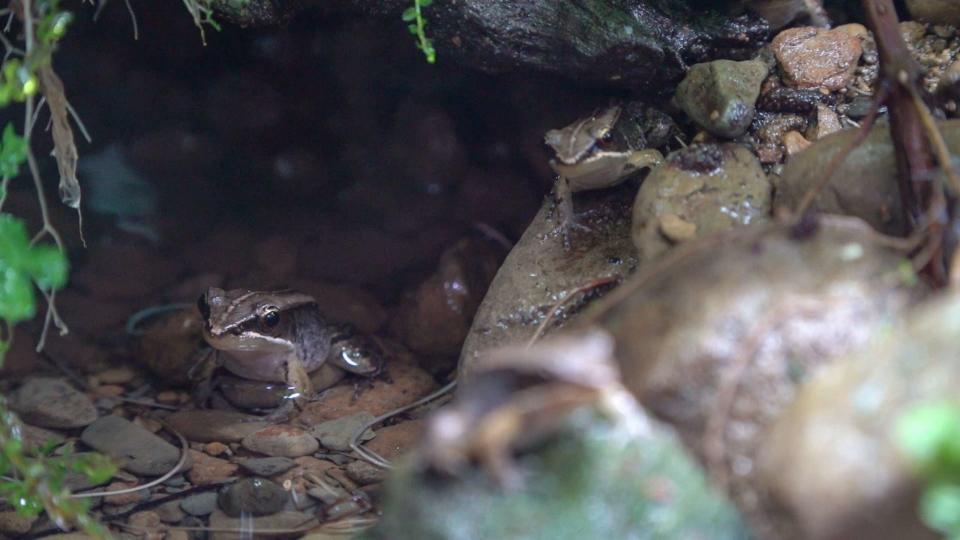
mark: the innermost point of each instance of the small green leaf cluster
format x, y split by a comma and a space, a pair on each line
22, 265
929, 435
40, 483
414, 16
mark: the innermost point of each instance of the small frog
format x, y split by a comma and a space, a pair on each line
279, 336
603, 150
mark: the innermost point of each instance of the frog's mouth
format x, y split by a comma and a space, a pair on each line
247, 342
602, 169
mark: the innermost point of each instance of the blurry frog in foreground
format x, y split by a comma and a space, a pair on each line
280, 337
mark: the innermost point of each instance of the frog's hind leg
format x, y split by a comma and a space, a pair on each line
566, 215
201, 376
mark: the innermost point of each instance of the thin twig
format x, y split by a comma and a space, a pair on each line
555, 308
373, 457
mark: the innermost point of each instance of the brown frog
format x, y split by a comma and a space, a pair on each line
280, 337
604, 149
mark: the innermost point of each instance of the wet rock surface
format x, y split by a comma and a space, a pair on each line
818, 58
138, 450
716, 336
720, 95
53, 403
699, 191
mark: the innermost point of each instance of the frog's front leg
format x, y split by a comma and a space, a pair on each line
566, 216
201, 375
299, 391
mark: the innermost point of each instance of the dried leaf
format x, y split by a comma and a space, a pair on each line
64, 147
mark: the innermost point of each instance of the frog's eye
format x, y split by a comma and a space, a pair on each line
270, 317
203, 307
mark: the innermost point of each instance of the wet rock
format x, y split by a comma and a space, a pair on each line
720, 95
267, 466
856, 405
52, 403
15, 524
715, 338
336, 434
364, 473
208, 470
817, 58
281, 441
864, 184
826, 122
120, 375
664, 495
199, 504
254, 496
434, 319
410, 383
136, 449
393, 441
281, 520
124, 498
35, 437
217, 449
935, 11
707, 188
147, 519
170, 512
539, 271
215, 426
794, 143
171, 345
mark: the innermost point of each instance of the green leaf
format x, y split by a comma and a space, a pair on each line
17, 302
13, 152
48, 266
409, 14
424, 3
14, 243
413, 29
940, 508
930, 435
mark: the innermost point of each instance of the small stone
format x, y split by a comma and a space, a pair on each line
220, 521
168, 397
52, 403
769, 153
124, 498
396, 440
817, 58
209, 470
146, 521
281, 440
720, 96
268, 466
677, 229
13, 523
827, 122
336, 434
109, 390
216, 449
215, 425
199, 504
365, 473
120, 375
35, 437
170, 512
137, 450
255, 496
794, 143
